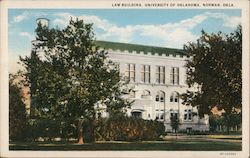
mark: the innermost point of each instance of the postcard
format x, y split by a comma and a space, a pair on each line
135, 78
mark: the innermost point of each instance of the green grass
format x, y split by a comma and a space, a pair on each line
172, 145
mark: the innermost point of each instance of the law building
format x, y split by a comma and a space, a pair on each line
157, 76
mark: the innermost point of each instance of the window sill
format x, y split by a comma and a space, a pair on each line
187, 120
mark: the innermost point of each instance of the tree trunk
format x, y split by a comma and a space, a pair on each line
228, 125
92, 131
80, 138
92, 123
228, 129
80, 132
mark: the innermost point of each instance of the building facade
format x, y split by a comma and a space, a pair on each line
157, 77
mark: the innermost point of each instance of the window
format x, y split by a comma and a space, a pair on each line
186, 76
160, 74
157, 98
173, 115
159, 116
145, 73
171, 98
149, 116
160, 97
174, 76
136, 114
132, 93
145, 94
130, 72
174, 97
188, 115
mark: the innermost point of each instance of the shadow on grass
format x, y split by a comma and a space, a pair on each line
130, 146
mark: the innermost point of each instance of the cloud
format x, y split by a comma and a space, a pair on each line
191, 22
167, 34
111, 31
228, 21
26, 15
232, 22
21, 17
122, 34
63, 18
27, 35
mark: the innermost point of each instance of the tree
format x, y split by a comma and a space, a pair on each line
17, 111
222, 120
174, 123
216, 70
214, 122
72, 77
231, 120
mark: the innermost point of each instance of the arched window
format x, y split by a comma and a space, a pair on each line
145, 94
174, 97
160, 96
132, 93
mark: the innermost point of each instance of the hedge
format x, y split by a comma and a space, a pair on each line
103, 129
127, 129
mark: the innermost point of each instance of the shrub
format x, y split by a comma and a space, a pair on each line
49, 129
127, 129
116, 128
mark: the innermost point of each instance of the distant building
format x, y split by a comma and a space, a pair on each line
157, 76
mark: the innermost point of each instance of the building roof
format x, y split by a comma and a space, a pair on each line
139, 48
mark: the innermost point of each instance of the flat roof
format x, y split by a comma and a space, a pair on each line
139, 48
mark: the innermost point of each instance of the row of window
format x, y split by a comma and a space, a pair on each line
160, 96
160, 116
187, 115
146, 74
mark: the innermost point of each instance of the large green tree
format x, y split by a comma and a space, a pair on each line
216, 70
69, 75
17, 111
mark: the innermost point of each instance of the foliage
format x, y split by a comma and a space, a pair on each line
69, 75
128, 129
17, 111
113, 128
216, 70
214, 122
231, 120
175, 123
49, 129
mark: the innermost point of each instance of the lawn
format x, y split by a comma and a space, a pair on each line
172, 145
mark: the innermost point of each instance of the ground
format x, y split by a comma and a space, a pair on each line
169, 143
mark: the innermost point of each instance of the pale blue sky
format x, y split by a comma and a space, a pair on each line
157, 27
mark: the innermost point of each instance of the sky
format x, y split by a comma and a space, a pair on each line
170, 28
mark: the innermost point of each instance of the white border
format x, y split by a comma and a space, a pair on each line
5, 5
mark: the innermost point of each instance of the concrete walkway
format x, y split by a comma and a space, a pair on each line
218, 138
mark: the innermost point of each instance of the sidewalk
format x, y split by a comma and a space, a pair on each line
223, 138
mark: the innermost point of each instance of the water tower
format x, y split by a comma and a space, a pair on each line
35, 43
43, 21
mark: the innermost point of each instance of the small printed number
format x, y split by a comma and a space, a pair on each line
228, 154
